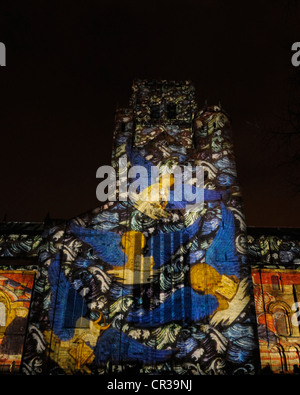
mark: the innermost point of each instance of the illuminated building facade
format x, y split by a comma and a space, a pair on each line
139, 285
274, 255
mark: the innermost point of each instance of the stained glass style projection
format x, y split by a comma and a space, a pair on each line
15, 297
138, 286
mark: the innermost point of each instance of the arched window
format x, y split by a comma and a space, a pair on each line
2, 314
278, 360
171, 111
275, 283
155, 111
292, 358
281, 321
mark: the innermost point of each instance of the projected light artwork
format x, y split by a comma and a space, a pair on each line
151, 286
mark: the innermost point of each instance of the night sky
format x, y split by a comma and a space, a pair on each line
71, 63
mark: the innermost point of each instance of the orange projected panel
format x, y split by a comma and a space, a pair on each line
277, 304
15, 296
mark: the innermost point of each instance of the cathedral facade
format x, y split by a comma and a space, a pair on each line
153, 285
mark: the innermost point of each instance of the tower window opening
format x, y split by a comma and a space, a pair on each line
280, 321
275, 283
171, 111
155, 111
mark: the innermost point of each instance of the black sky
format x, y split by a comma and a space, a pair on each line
70, 64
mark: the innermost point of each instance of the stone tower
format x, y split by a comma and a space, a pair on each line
147, 285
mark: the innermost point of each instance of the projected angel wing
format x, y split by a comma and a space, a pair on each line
106, 244
222, 253
67, 305
184, 303
114, 346
235, 306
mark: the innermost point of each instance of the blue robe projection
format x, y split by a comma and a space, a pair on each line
187, 304
183, 304
115, 346
186, 198
221, 254
107, 245
67, 305
162, 246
